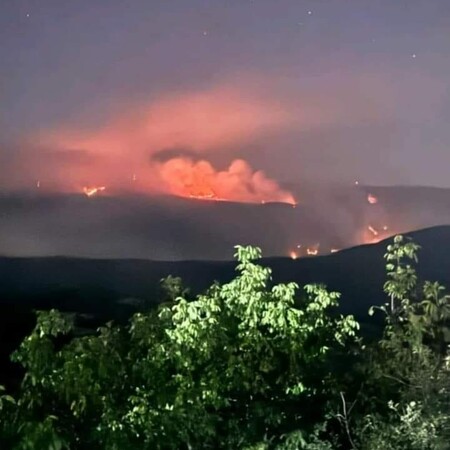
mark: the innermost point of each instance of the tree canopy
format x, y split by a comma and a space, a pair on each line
248, 364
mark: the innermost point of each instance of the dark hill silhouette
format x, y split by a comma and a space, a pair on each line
88, 284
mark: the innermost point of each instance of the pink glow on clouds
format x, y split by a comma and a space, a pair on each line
127, 144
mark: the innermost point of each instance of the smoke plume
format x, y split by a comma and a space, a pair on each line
124, 153
239, 181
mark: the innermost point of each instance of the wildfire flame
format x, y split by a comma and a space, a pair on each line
91, 191
209, 196
373, 230
374, 234
239, 182
312, 251
372, 199
200, 189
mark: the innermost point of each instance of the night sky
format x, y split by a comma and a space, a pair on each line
115, 91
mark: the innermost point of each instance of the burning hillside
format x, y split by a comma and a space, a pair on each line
187, 178
190, 144
370, 228
176, 227
184, 177
93, 190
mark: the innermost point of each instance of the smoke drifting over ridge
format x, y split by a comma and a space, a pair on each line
272, 125
320, 131
168, 227
122, 154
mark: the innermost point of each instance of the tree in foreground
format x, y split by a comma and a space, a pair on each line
406, 393
244, 365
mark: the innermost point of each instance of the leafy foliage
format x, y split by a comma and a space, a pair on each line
235, 366
247, 365
406, 371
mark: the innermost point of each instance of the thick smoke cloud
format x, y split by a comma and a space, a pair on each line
271, 125
324, 133
127, 153
188, 178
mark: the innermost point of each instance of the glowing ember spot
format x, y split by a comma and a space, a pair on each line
91, 191
372, 199
356, 183
385, 228
201, 191
373, 235
312, 251
38, 184
293, 255
334, 250
205, 197
372, 230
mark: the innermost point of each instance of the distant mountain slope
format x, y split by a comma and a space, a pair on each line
172, 228
358, 273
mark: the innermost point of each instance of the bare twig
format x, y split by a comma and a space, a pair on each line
344, 418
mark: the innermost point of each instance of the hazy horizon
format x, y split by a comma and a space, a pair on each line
97, 93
